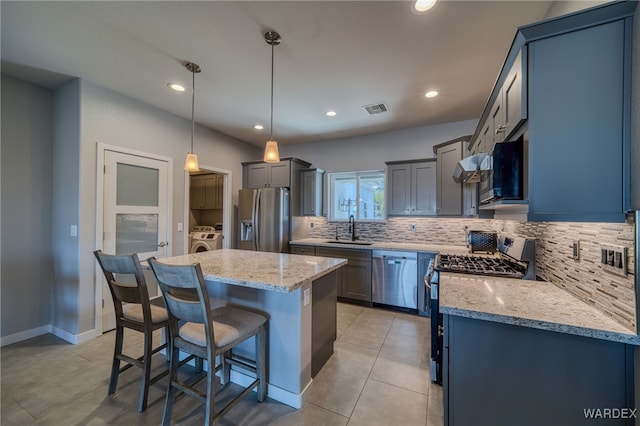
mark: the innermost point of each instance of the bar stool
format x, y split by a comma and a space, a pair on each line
206, 333
134, 311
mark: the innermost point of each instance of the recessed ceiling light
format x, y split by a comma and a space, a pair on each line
175, 86
331, 113
423, 5
431, 94
258, 127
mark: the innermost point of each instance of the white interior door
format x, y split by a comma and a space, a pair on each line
136, 213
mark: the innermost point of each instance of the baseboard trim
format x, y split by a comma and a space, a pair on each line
58, 332
294, 400
25, 335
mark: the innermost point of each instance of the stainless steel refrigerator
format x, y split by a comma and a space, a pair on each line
263, 215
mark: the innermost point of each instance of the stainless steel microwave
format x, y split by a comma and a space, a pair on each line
505, 179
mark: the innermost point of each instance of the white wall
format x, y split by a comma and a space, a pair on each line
25, 235
49, 181
558, 8
371, 151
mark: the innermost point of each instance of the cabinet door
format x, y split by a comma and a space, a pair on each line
196, 188
257, 175
399, 183
357, 282
497, 126
311, 199
423, 188
209, 191
576, 125
449, 193
280, 174
485, 135
514, 97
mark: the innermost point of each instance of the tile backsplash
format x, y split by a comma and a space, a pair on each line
612, 294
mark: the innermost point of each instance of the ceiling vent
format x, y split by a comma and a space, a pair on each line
376, 108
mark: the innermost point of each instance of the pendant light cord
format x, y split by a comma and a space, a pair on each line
193, 101
271, 126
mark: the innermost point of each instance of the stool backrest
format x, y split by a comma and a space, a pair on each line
185, 293
121, 292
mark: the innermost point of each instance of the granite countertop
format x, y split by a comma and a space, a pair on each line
380, 245
256, 269
535, 304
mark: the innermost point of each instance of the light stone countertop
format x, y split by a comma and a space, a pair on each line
380, 245
535, 304
265, 271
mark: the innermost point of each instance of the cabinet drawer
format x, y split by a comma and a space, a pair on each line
300, 249
351, 254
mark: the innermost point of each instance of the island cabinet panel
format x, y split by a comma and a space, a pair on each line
578, 141
412, 188
503, 375
323, 320
355, 278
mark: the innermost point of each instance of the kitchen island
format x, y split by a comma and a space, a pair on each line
529, 353
298, 294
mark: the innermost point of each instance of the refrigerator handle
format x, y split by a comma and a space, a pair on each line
254, 218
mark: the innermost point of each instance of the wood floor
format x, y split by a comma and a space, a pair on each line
378, 375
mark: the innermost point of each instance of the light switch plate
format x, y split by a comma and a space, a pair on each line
613, 258
307, 296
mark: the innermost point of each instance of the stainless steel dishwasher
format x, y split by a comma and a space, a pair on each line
395, 278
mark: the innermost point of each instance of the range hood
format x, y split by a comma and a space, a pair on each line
469, 169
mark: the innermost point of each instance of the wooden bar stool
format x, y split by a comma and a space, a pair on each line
206, 333
135, 311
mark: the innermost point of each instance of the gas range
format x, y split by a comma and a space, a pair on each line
479, 265
516, 258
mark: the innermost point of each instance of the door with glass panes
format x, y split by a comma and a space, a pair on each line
136, 202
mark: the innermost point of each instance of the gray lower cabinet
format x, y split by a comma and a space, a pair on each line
411, 188
355, 278
502, 375
302, 249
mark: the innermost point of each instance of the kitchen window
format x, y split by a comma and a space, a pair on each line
360, 194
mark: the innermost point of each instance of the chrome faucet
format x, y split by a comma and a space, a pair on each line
352, 228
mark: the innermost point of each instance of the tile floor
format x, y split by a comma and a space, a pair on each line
378, 375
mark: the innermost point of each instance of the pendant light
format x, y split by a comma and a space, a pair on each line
271, 154
191, 162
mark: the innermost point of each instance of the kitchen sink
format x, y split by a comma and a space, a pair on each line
358, 243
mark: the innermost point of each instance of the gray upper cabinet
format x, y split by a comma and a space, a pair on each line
507, 111
285, 174
448, 192
264, 175
412, 188
578, 125
565, 89
312, 189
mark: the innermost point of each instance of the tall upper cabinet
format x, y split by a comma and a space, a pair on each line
565, 88
449, 193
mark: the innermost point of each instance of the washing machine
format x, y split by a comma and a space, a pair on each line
204, 238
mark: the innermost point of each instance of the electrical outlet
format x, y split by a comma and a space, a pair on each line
613, 258
180, 227
576, 250
307, 296
73, 231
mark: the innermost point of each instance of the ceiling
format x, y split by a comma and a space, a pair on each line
334, 55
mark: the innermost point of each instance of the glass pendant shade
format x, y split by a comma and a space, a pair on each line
271, 154
191, 163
